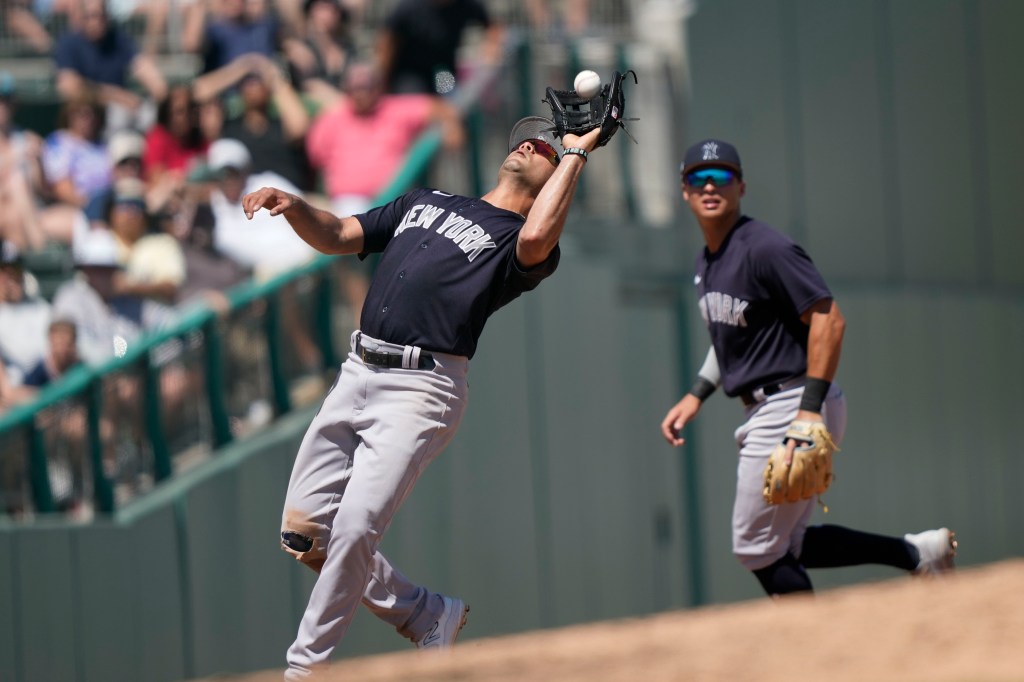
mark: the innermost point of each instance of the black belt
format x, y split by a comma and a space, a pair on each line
392, 360
759, 394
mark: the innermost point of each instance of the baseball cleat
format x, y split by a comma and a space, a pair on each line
445, 630
936, 548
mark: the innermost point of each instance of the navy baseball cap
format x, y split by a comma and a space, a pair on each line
711, 153
534, 128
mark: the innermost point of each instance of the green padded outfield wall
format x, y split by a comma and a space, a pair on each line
885, 136
554, 491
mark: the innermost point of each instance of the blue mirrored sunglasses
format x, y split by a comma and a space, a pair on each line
719, 177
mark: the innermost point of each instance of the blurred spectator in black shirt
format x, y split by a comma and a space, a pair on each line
418, 44
318, 58
275, 141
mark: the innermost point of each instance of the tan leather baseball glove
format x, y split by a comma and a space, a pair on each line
810, 472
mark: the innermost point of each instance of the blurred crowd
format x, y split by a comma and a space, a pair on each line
140, 180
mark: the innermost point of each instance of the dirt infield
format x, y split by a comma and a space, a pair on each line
967, 627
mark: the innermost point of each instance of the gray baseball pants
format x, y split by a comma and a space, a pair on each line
763, 533
376, 432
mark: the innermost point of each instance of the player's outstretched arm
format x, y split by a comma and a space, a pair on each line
543, 227
323, 231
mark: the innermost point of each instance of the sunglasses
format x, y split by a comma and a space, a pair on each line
719, 177
547, 151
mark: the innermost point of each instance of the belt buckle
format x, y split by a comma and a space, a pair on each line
372, 357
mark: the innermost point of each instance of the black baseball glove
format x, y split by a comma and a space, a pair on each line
576, 115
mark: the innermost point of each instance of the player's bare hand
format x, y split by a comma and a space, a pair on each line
274, 200
679, 416
587, 141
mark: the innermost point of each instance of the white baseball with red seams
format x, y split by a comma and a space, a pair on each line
587, 84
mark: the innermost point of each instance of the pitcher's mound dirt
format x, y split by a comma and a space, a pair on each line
968, 627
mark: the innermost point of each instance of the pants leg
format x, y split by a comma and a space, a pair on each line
398, 601
374, 435
763, 533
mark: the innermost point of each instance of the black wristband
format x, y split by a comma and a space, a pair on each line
815, 391
579, 151
702, 388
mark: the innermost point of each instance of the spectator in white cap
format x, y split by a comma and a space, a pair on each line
126, 146
265, 245
91, 300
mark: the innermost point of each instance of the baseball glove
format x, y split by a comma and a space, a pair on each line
576, 115
809, 474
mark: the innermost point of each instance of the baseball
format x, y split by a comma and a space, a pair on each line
587, 84
120, 346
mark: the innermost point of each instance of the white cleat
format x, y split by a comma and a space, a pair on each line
445, 630
937, 549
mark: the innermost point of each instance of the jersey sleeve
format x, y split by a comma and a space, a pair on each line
790, 273
379, 223
519, 280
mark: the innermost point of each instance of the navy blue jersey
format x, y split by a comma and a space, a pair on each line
752, 292
447, 263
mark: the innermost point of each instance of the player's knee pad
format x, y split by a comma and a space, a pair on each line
304, 539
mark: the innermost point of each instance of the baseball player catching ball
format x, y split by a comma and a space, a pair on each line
447, 263
776, 333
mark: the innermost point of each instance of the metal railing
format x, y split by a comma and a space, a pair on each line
106, 433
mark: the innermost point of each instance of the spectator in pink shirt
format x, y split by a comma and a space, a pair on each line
359, 142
